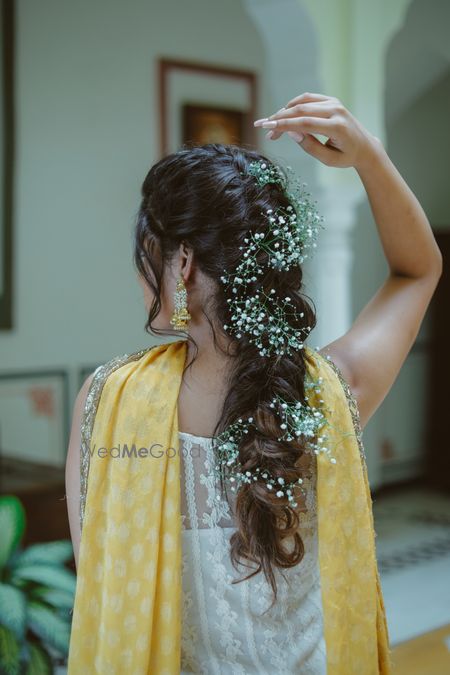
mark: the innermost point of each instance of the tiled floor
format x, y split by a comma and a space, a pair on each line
413, 550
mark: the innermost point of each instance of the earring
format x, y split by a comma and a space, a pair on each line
180, 316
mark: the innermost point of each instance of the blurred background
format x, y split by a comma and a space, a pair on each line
93, 93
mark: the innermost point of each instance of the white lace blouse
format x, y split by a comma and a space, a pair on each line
223, 629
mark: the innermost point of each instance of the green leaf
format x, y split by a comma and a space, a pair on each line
9, 653
54, 596
52, 576
13, 609
40, 662
12, 526
50, 552
52, 629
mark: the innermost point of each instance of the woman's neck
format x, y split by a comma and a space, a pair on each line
203, 388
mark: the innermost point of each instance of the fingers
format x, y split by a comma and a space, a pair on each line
259, 123
324, 109
309, 143
273, 134
317, 149
307, 96
314, 125
321, 109
303, 116
298, 138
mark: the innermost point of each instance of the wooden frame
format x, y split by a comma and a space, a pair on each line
229, 112
34, 414
7, 143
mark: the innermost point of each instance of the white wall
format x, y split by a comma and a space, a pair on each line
87, 135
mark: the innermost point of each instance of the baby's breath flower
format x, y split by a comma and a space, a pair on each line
289, 232
272, 323
297, 420
264, 321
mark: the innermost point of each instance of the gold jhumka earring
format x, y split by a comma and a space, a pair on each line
180, 316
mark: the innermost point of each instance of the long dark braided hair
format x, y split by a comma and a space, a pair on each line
200, 195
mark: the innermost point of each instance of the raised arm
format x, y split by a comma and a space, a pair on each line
372, 352
73, 468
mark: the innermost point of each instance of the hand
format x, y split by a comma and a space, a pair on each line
348, 144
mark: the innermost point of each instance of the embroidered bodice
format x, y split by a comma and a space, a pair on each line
225, 629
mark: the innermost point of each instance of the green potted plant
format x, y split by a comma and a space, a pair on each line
36, 597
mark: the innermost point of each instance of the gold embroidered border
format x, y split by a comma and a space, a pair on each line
352, 404
89, 412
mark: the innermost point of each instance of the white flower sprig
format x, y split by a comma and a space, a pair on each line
304, 420
297, 226
264, 319
283, 243
271, 322
297, 420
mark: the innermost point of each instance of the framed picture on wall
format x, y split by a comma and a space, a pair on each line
203, 124
34, 416
6, 161
201, 103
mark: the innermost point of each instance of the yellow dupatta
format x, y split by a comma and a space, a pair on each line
127, 610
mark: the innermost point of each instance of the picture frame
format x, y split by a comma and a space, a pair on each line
209, 124
7, 156
205, 103
34, 416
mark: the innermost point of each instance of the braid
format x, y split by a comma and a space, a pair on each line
207, 196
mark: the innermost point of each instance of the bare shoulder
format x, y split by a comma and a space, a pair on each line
338, 352
335, 351
72, 469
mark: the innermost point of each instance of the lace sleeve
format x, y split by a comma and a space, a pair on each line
90, 409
